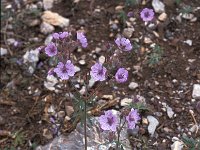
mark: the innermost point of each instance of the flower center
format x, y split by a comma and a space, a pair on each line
121, 76
146, 14
131, 118
110, 121
100, 72
64, 70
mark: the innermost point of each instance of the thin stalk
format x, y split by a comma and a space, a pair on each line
118, 133
85, 125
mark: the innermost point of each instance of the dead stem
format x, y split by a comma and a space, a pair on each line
196, 124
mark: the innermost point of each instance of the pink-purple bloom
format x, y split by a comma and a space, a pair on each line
121, 75
60, 35
82, 39
147, 14
51, 49
64, 71
123, 44
98, 72
108, 121
132, 118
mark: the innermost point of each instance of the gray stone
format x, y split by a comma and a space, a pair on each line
177, 145
158, 6
196, 91
96, 140
127, 32
47, 4
170, 112
46, 28
153, 123
133, 85
3, 51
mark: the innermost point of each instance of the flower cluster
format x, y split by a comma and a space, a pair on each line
64, 68
109, 121
147, 14
60, 35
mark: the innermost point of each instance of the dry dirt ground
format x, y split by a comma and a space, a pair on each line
169, 81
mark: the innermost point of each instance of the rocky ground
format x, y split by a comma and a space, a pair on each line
169, 87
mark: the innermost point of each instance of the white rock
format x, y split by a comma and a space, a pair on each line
196, 91
170, 112
162, 17
102, 59
91, 82
153, 123
31, 56
158, 6
3, 51
187, 16
97, 50
47, 4
31, 69
48, 39
109, 97
126, 101
177, 145
51, 82
82, 62
133, 85
77, 69
46, 28
55, 19
147, 40
189, 42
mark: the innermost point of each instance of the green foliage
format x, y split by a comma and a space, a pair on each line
123, 17
155, 55
178, 2
138, 106
130, 2
18, 138
186, 10
191, 143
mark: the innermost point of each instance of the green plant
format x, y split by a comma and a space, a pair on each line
177, 2
192, 144
130, 2
155, 56
186, 10
18, 138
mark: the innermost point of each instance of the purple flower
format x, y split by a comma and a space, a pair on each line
82, 39
130, 14
147, 14
123, 44
132, 118
60, 35
98, 72
65, 70
121, 75
108, 121
56, 36
63, 35
51, 49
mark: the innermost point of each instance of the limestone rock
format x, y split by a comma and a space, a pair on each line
55, 19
